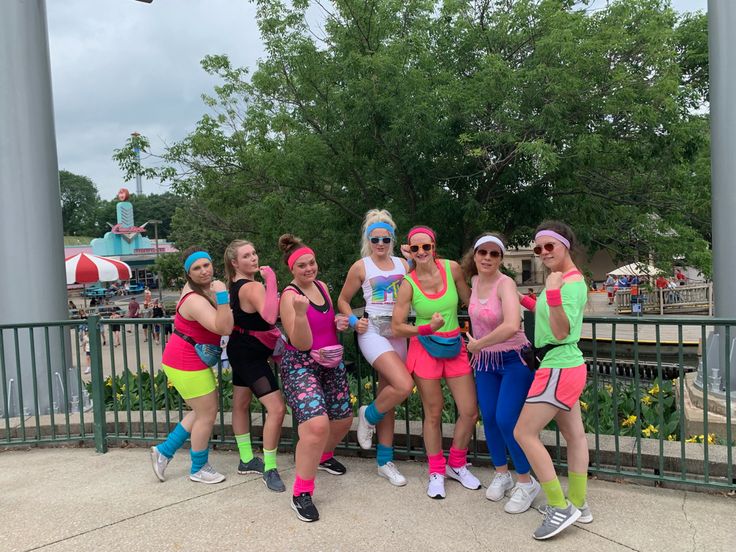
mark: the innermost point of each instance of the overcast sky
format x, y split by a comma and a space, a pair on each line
120, 66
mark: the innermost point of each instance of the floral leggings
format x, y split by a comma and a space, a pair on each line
313, 390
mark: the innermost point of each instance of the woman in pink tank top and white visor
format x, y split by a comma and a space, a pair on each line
502, 378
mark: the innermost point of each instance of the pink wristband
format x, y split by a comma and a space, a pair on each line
425, 329
527, 302
554, 297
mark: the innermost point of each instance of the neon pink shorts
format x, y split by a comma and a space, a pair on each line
424, 365
560, 387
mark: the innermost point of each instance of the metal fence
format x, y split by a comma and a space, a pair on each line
645, 416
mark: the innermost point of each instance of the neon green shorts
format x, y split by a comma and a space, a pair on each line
191, 383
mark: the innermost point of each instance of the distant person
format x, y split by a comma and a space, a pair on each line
133, 310
115, 329
680, 278
530, 293
157, 311
146, 297
87, 354
93, 302
610, 285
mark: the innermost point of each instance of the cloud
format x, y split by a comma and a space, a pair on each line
122, 66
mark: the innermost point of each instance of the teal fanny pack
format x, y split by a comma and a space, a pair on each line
209, 354
441, 347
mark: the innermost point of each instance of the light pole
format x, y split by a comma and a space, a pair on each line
155, 223
137, 150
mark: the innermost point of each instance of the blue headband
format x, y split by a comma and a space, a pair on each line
377, 225
195, 257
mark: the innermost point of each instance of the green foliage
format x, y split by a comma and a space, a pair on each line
464, 116
79, 201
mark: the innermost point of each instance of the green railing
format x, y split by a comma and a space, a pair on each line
640, 372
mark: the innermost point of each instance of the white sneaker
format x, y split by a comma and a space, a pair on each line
501, 483
436, 487
392, 473
463, 475
365, 430
522, 497
159, 463
207, 475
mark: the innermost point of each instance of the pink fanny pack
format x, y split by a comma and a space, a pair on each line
329, 357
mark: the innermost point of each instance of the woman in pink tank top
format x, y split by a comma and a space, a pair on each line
202, 316
502, 378
313, 376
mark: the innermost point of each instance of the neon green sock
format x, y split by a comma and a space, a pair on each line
269, 459
553, 492
244, 446
577, 487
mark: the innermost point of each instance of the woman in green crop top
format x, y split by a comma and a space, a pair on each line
559, 381
433, 289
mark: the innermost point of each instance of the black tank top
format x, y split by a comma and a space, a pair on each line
245, 320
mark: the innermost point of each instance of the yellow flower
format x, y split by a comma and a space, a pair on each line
671, 437
169, 384
120, 396
609, 388
649, 431
646, 399
694, 439
584, 406
414, 390
353, 399
654, 390
630, 421
711, 438
122, 387
108, 381
368, 386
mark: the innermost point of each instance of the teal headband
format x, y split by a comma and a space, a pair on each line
377, 225
191, 259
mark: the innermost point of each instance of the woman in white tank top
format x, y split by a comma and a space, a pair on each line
379, 274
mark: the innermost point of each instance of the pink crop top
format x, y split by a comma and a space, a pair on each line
321, 319
179, 353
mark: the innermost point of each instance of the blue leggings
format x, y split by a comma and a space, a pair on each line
502, 389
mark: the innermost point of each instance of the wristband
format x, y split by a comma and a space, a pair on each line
554, 297
425, 329
527, 302
222, 297
352, 320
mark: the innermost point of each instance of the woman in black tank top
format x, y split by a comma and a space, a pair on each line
255, 309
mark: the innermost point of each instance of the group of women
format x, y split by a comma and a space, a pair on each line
518, 387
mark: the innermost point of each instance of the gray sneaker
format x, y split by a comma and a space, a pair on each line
207, 475
159, 462
272, 479
254, 465
556, 520
586, 516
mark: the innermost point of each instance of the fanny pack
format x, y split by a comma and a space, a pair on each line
209, 354
329, 357
533, 357
269, 338
382, 323
441, 347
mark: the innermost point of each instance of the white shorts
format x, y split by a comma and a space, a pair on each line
373, 345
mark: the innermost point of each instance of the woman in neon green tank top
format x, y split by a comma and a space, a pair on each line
433, 289
559, 381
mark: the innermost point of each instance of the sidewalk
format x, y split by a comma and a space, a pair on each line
77, 500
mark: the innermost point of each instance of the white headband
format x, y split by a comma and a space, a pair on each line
489, 239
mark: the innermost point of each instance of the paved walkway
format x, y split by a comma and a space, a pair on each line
77, 500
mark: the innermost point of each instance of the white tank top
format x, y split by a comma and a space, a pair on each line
381, 287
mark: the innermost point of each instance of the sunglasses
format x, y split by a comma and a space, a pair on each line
483, 252
424, 247
548, 247
386, 240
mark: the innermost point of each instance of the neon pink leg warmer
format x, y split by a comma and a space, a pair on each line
458, 457
436, 463
303, 486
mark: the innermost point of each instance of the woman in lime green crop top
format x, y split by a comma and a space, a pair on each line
559, 381
436, 351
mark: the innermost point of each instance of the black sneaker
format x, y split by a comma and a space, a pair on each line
254, 465
331, 465
304, 507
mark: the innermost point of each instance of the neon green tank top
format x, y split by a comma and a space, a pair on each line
444, 302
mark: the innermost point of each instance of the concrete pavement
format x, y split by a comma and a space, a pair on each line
77, 500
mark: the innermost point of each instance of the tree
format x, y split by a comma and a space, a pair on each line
79, 203
467, 116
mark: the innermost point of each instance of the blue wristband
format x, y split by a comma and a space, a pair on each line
353, 320
222, 297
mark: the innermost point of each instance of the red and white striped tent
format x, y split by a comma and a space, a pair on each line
84, 268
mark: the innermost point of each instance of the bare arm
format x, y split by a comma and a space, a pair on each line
352, 284
263, 299
462, 286
399, 326
293, 311
219, 320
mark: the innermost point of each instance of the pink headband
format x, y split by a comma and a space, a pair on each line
421, 230
296, 254
552, 234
